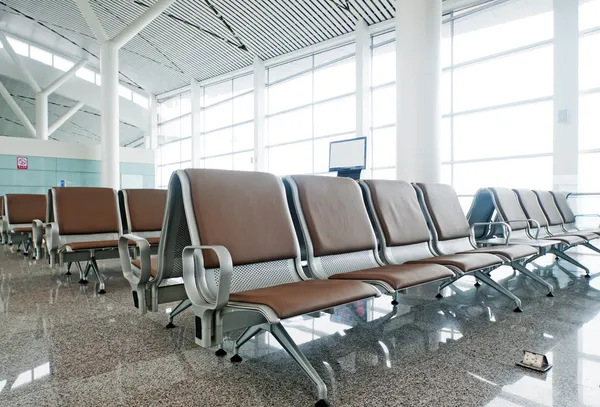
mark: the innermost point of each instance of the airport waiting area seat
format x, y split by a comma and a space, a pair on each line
241, 260
453, 234
20, 211
569, 218
86, 227
142, 212
340, 241
549, 227
503, 205
153, 274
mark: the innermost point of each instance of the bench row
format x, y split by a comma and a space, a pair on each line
254, 250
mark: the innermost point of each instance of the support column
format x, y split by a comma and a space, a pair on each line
152, 139
363, 80
109, 91
566, 95
418, 72
41, 115
197, 147
109, 68
259, 115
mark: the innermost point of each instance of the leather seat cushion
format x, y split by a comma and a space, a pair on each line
511, 252
292, 299
99, 244
399, 276
22, 230
464, 262
569, 239
153, 240
153, 264
586, 234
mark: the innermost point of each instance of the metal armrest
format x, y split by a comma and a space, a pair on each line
145, 260
505, 226
537, 227
192, 276
52, 236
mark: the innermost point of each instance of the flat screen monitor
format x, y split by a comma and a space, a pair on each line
348, 154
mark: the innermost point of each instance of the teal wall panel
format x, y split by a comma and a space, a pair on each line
46, 172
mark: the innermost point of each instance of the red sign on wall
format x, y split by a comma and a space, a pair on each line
22, 163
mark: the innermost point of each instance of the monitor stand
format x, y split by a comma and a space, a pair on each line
354, 174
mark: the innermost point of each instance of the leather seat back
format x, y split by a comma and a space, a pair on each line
531, 206
143, 209
560, 198
86, 211
508, 207
246, 212
22, 209
549, 207
397, 208
335, 224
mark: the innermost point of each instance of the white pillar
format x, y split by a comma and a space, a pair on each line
418, 113
41, 115
259, 115
109, 69
363, 80
566, 95
197, 147
152, 140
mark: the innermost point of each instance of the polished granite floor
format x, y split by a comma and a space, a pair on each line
61, 344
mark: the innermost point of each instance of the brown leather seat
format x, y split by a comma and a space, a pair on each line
585, 234
22, 230
465, 262
153, 240
511, 252
99, 244
153, 265
568, 239
399, 276
293, 299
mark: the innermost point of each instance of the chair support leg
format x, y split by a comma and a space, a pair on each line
444, 285
248, 334
528, 273
592, 247
83, 273
532, 258
98, 275
279, 332
571, 260
182, 306
489, 281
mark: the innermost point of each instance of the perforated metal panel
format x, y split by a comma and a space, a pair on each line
182, 240
344, 263
259, 275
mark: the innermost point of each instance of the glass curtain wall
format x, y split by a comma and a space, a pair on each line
310, 103
498, 97
174, 137
227, 120
589, 98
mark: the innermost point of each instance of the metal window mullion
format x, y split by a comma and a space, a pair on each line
502, 106
524, 48
174, 118
503, 158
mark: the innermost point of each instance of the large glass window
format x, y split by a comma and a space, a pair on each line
227, 140
497, 91
174, 137
589, 99
310, 103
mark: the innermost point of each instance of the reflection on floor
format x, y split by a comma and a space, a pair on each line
62, 344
